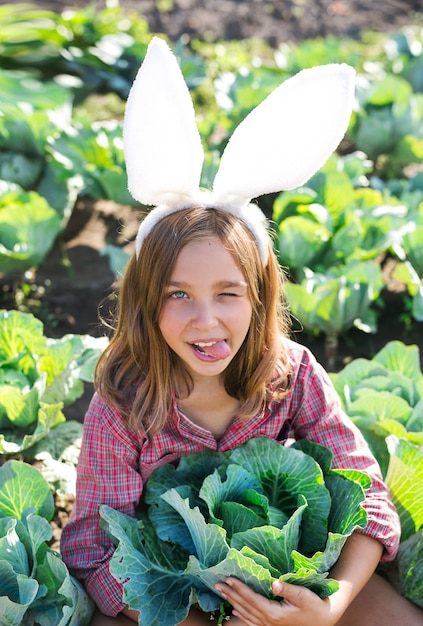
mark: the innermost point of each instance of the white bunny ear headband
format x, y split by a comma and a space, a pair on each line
278, 146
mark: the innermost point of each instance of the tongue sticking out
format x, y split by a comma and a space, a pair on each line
219, 350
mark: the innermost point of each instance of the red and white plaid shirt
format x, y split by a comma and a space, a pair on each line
115, 462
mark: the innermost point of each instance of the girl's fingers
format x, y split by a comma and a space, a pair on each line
254, 609
236, 591
250, 607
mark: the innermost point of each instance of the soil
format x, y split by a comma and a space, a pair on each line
75, 280
275, 21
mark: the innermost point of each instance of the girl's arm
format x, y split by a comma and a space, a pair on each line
300, 606
133, 615
358, 560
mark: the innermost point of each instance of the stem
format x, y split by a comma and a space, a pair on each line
331, 350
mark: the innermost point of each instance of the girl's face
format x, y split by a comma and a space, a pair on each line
207, 309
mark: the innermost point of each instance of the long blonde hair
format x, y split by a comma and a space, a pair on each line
139, 364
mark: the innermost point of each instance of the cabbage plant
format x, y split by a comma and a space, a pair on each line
405, 482
39, 376
336, 301
260, 512
384, 396
35, 584
28, 228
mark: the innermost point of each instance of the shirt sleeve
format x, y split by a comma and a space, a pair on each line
317, 414
107, 474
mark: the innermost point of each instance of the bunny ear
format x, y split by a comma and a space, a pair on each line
163, 151
287, 137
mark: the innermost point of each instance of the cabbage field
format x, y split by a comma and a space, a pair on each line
351, 241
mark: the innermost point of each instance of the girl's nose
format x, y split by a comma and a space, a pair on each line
204, 316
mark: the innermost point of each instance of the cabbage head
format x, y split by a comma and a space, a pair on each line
260, 512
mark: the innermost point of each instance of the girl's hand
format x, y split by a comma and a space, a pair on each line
299, 607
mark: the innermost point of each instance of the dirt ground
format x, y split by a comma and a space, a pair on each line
272, 20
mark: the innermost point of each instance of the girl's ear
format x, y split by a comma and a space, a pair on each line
287, 137
163, 151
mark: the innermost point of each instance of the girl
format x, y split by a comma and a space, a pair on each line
200, 358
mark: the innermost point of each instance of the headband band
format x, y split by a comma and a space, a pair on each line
251, 215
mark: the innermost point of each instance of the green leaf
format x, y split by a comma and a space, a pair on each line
238, 563
237, 517
17, 592
81, 607
320, 562
23, 487
34, 532
11, 550
410, 567
118, 258
352, 375
18, 408
277, 544
20, 86
375, 133
343, 485
319, 583
236, 500
335, 301
301, 240
287, 202
417, 306
413, 245
159, 578
168, 523
192, 469
286, 474
20, 336
65, 602
398, 357
209, 539
397, 385
343, 488
405, 482
87, 361
28, 228
63, 443
381, 406
49, 416
415, 422
59, 361
20, 169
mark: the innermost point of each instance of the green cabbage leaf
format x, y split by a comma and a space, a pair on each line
405, 482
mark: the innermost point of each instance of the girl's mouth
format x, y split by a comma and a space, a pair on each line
216, 350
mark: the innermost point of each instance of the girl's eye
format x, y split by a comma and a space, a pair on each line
178, 295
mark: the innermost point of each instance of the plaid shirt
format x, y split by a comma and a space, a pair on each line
115, 462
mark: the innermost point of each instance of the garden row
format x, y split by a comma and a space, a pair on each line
363, 207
